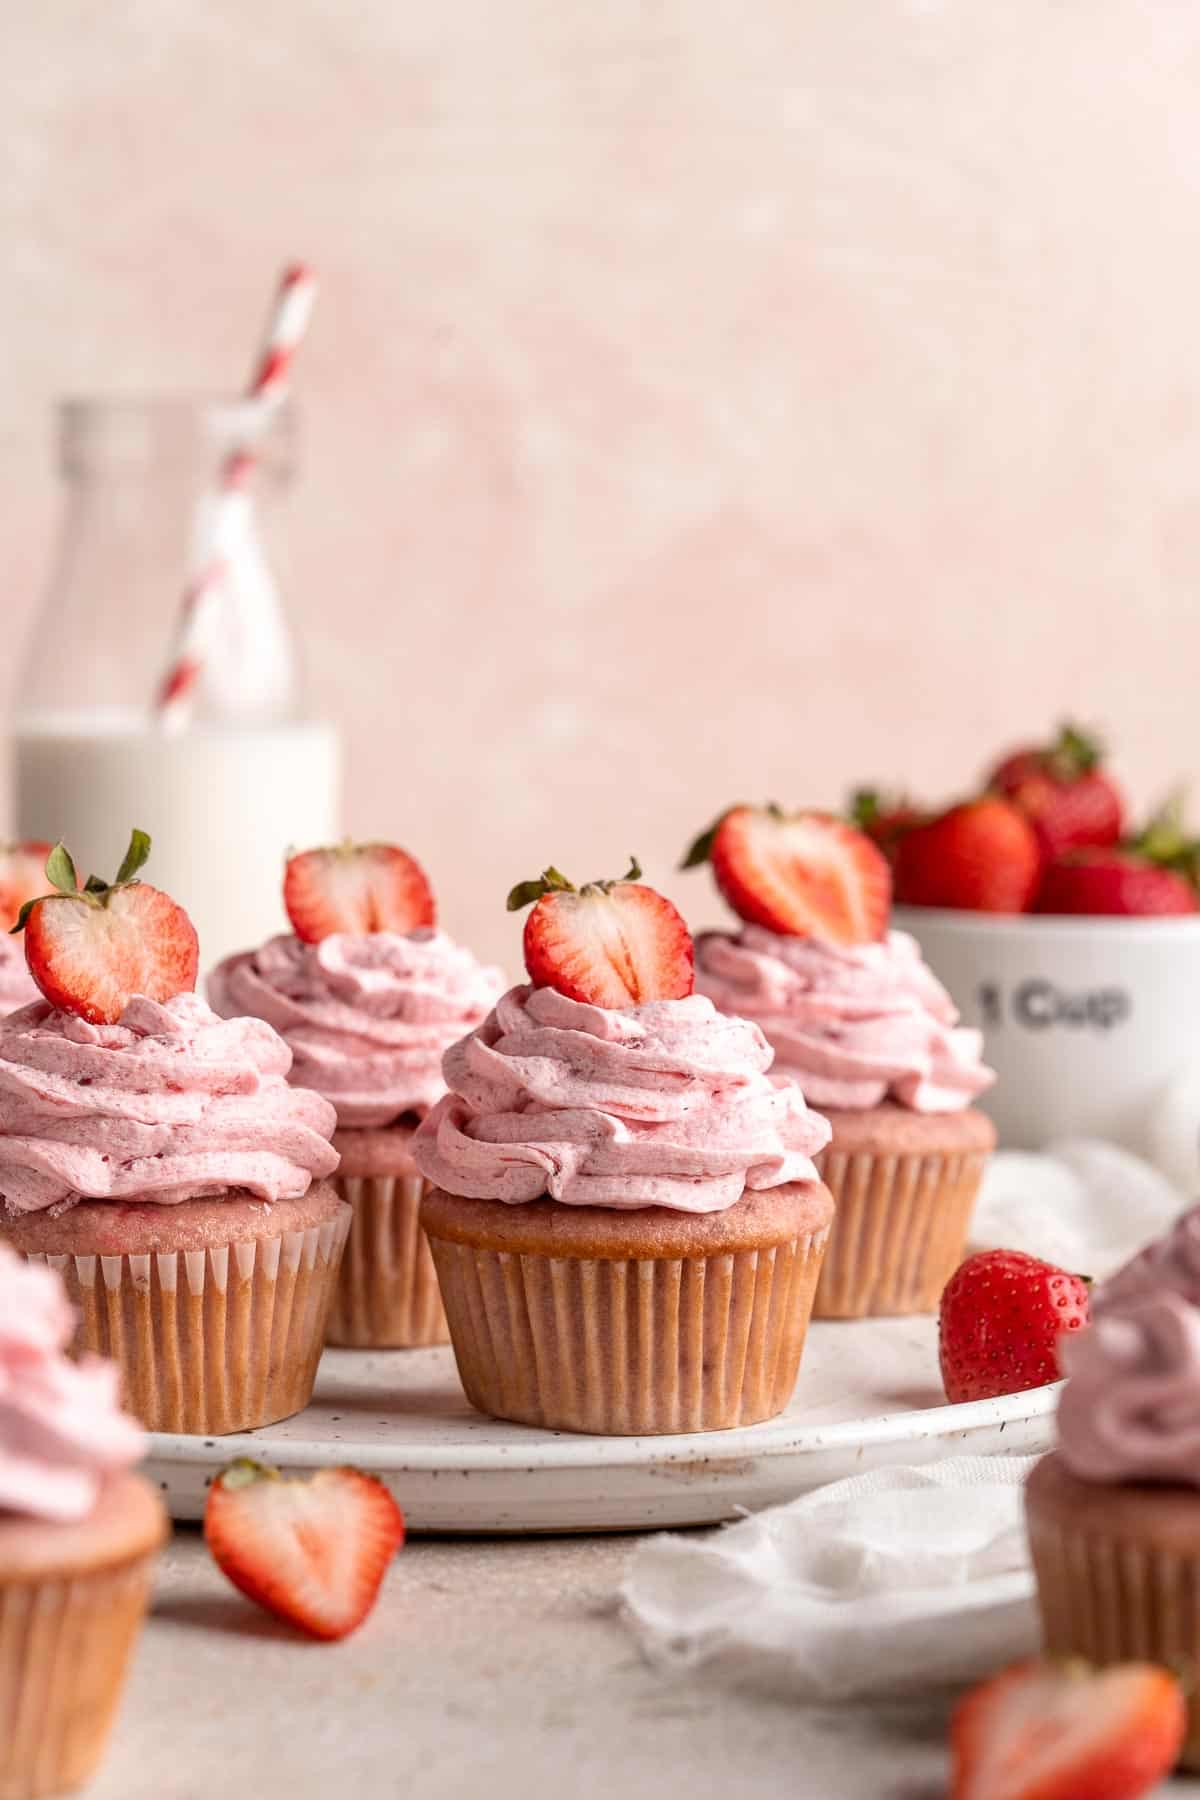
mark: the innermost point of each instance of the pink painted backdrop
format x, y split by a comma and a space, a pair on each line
707, 398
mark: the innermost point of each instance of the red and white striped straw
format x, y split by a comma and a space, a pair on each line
201, 601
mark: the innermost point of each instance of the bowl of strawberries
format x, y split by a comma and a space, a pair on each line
1070, 938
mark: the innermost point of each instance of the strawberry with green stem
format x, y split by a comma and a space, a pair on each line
92, 949
608, 943
799, 874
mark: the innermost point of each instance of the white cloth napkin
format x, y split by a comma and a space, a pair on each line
901, 1578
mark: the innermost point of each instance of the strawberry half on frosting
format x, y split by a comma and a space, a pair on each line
92, 949
801, 874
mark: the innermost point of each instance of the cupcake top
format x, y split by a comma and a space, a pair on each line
1130, 1410
61, 1429
17, 986
853, 1024
367, 1015
662, 1103
1171, 1263
169, 1103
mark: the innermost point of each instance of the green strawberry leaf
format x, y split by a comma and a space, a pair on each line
135, 857
60, 870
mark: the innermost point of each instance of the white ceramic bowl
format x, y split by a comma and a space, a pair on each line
1092, 1025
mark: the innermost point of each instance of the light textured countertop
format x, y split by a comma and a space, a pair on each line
488, 1667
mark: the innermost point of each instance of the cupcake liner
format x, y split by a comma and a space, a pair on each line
627, 1346
1112, 1601
899, 1231
1112, 1598
65, 1645
215, 1340
387, 1294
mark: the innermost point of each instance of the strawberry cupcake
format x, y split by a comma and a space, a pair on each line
157, 1156
623, 1210
22, 878
78, 1536
368, 994
1113, 1514
861, 1024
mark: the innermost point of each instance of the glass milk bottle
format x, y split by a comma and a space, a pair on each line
246, 772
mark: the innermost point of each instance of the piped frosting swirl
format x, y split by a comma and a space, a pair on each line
170, 1104
368, 1017
853, 1025
665, 1104
61, 1428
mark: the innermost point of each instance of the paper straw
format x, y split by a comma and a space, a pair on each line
198, 614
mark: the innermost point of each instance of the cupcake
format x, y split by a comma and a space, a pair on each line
368, 994
1113, 1515
157, 1156
862, 1025
22, 879
624, 1213
78, 1534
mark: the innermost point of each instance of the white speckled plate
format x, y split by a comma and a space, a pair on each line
868, 1394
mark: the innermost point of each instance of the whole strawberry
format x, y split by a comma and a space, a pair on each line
1114, 883
982, 856
884, 817
1064, 791
1002, 1315
608, 943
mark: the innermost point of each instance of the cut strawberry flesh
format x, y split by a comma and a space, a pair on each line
809, 875
617, 948
92, 959
311, 1551
1046, 1731
356, 888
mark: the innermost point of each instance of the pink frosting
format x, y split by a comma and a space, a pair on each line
171, 1104
17, 986
61, 1429
368, 1017
1171, 1262
1131, 1408
667, 1104
853, 1026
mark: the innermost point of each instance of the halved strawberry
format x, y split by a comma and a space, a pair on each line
981, 856
1063, 1731
312, 1550
22, 878
610, 943
804, 874
92, 949
356, 888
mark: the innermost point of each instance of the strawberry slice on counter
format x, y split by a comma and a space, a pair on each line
1001, 1316
803, 874
982, 855
22, 878
311, 1550
609, 943
1063, 1731
356, 888
1064, 791
91, 949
